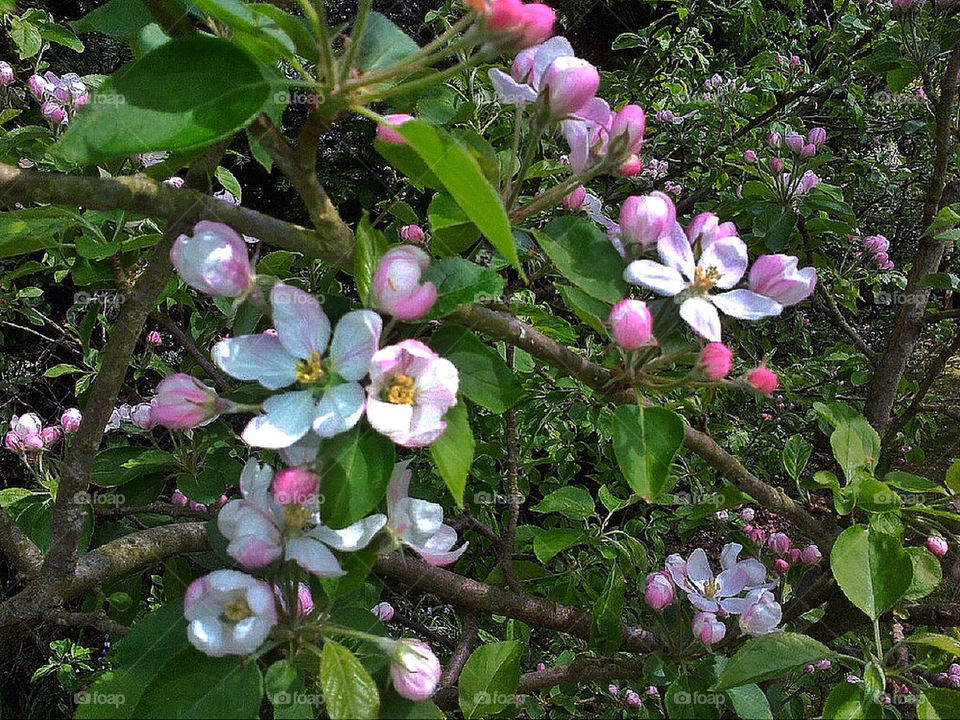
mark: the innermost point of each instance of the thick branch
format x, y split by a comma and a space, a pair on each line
16, 546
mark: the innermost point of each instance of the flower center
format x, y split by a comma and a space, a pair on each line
236, 610
400, 390
709, 589
296, 516
310, 370
705, 278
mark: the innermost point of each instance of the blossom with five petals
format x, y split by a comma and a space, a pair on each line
711, 593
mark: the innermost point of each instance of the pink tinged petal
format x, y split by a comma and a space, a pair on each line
255, 482
262, 601
286, 419
702, 317
736, 606
355, 340
659, 278
249, 634
754, 571
677, 568
254, 538
549, 51
417, 520
702, 603
731, 582
729, 256
417, 304
675, 251
698, 568
578, 138
437, 385
728, 555
436, 551
302, 325
597, 111
256, 357
510, 91
426, 426
389, 419
746, 305
340, 408
314, 557
303, 451
353, 537
398, 489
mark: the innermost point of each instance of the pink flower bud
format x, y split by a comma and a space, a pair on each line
810, 555
748, 514
12, 442
631, 323
793, 556
794, 142
33, 441
630, 167
651, 690
26, 424
214, 260
50, 435
541, 666
384, 611
780, 543
396, 287
70, 420
504, 15
658, 590
644, 219
817, 136
808, 669
574, 201
628, 127
707, 628
536, 24
415, 670
613, 690
295, 486
794, 61
774, 139
780, 566
715, 360
762, 380
767, 417
756, 535
664, 116
631, 699
523, 64
937, 545
412, 234
823, 664
6, 73
53, 111
179, 499
387, 134
154, 338
749, 156
809, 181
184, 402
222, 500
776, 165
808, 150
568, 83
37, 86
777, 277
142, 416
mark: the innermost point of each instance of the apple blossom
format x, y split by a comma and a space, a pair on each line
418, 524
631, 166
658, 590
411, 388
780, 565
748, 514
794, 141
937, 545
184, 402
810, 555
574, 200
711, 594
304, 599
613, 690
645, 219
38, 86
776, 165
568, 84
631, 698
26, 424
631, 324
707, 628
179, 499
6, 73
329, 399
50, 435
414, 669
721, 265
142, 416
12, 442
396, 287
295, 486
154, 338
777, 277
774, 139
53, 111
214, 260
384, 611
749, 156
33, 442
230, 613
763, 614
627, 128
388, 134
706, 229
715, 360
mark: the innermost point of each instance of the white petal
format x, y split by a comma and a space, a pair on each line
340, 408
398, 489
746, 304
314, 557
728, 555
286, 419
355, 340
300, 322
256, 357
728, 255
549, 51
353, 537
511, 92
303, 451
675, 251
702, 317
698, 568
255, 482
659, 278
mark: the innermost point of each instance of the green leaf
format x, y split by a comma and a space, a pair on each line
451, 229
8, 496
117, 18
847, 702
592, 311
348, 690
484, 377
572, 501
912, 483
940, 642
26, 37
61, 369
60, 35
174, 97
872, 569
370, 247
489, 679
121, 465
899, 78
873, 495
453, 451
354, 476
460, 282
779, 230
645, 441
941, 281
938, 704
927, 573
770, 656
688, 698
750, 703
550, 542
26, 231
585, 256
953, 477
382, 44
461, 176
605, 636
855, 445
795, 453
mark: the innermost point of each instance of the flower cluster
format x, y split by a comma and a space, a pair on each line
28, 434
876, 246
787, 172
740, 589
59, 96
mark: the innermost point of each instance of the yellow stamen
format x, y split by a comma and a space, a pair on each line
705, 278
236, 610
296, 516
310, 370
400, 390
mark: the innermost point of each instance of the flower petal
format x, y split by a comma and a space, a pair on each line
303, 451
286, 419
353, 537
746, 305
729, 256
398, 488
677, 567
698, 568
340, 408
728, 555
389, 419
355, 340
702, 317
511, 92
314, 557
702, 603
675, 251
256, 357
659, 278
300, 322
